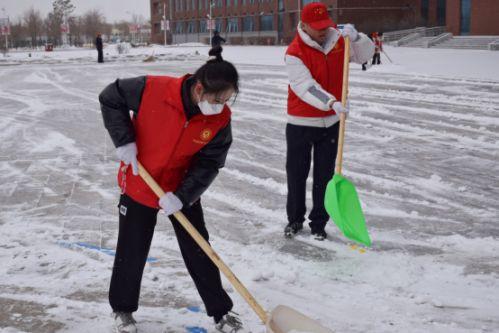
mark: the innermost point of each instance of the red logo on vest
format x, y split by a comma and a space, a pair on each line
206, 134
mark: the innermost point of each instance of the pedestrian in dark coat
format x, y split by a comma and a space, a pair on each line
217, 40
99, 47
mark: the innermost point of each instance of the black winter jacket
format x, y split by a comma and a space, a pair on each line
124, 95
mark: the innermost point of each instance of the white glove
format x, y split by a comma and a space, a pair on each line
170, 203
351, 32
338, 107
128, 154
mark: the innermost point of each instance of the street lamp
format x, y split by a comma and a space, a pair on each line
5, 17
164, 20
259, 25
134, 26
210, 16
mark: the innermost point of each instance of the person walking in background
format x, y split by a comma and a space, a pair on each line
217, 40
378, 48
99, 47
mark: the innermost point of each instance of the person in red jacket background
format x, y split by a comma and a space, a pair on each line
378, 43
181, 133
314, 62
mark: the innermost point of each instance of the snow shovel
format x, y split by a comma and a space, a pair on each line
387, 57
341, 200
282, 319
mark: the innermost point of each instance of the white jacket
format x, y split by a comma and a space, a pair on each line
310, 91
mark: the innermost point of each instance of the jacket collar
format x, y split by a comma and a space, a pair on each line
174, 97
190, 108
331, 39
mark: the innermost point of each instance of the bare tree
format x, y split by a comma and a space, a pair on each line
18, 34
34, 25
52, 25
61, 11
63, 8
76, 27
93, 23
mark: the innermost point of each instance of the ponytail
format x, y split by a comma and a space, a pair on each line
217, 75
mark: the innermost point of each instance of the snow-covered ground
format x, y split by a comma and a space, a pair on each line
422, 148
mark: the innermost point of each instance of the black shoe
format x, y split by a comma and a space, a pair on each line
319, 235
292, 229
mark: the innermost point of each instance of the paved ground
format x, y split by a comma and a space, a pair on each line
423, 152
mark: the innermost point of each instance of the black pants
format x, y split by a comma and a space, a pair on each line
377, 59
136, 230
100, 56
300, 141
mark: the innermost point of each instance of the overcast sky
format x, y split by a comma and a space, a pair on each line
113, 10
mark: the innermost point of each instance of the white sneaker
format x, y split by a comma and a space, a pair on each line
124, 322
230, 323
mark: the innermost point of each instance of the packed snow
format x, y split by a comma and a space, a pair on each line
422, 147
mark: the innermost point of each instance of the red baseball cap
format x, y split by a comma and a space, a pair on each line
316, 16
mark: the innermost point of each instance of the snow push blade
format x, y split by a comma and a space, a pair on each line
341, 199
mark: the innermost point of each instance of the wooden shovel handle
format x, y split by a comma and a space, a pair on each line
344, 96
205, 246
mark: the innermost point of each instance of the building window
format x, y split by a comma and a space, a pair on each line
465, 16
179, 27
157, 8
203, 26
292, 20
266, 23
441, 12
425, 7
218, 24
233, 24
306, 2
248, 23
157, 28
191, 27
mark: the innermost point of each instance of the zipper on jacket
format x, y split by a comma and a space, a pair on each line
176, 144
327, 72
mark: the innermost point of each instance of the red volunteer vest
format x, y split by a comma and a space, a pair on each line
166, 141
378, 44
327, 70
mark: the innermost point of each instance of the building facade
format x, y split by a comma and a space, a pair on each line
473, 17
270, 22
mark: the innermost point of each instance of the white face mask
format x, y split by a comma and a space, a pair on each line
210, 109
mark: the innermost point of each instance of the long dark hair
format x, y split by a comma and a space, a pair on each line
217, 75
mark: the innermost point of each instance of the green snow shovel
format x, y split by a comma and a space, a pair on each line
282, 319
341, 200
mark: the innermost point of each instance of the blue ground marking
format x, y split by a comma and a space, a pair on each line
104, 250
195, 329
194, 308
